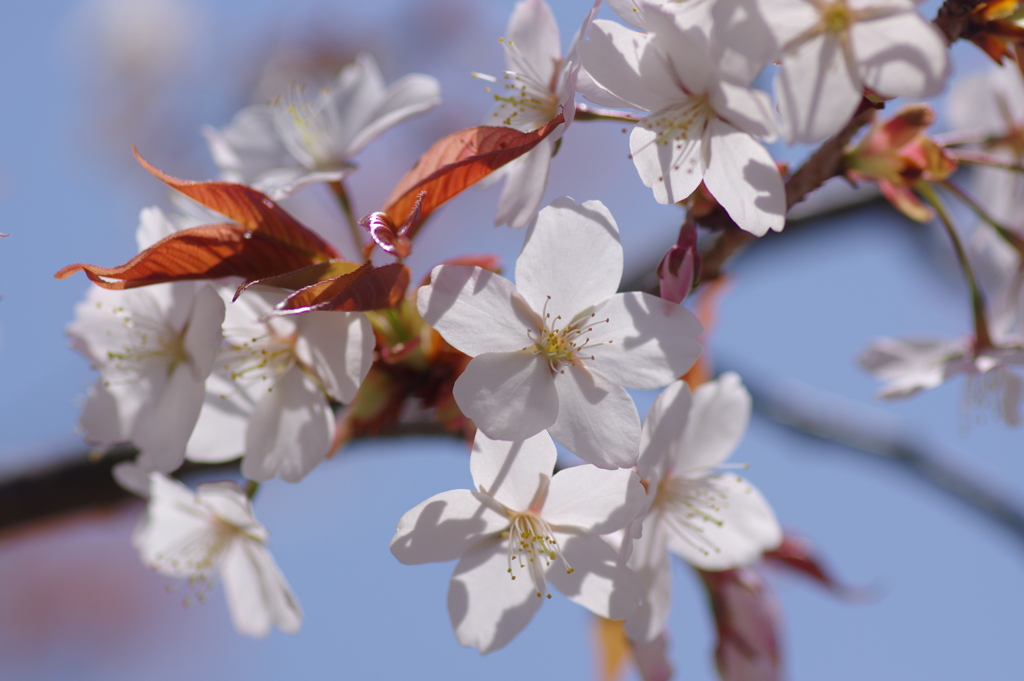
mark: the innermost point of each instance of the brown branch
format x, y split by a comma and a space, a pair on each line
82, 481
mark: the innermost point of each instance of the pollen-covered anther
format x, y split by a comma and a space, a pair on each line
532, 546
564, 344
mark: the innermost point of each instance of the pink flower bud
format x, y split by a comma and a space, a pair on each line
679, 270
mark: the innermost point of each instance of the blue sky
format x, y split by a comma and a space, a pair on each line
77, 604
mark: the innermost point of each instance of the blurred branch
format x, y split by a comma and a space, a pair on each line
860, 429
82, 480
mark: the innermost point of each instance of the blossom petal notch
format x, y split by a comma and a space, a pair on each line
710, 517
263, 241
519, 530
557, 349
457, 162
212, 532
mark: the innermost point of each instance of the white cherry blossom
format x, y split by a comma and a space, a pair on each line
911, 365
713, 519
211, 533
554, 350
832, 49
267, 399
284, 146
154, 347
518, 531
538, 84
702, 123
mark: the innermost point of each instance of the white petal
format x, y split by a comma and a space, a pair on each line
219, 434
592, 499
748, 109
742, 42
647, 343
526, 180
687, 49
673, 170
407, 97
445, 526
258, 595
745, 528
596, 420
475, 310
663, 428
901, 55
650, 562
532, 35
203, 333
174, 523
623, 62
163, 427
565, 287
290, 430
599, 581
508, 395
597, 93
817, 93
486, 607
109, 411
1013, 390
339, 347
718, 420
513, 472
227, 501
630, 11
249, 146
153, 226
744, 179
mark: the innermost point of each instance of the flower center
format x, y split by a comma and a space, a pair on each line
836, 17
567, 344
312, 132
149, 341
261, 358
196, 557
532, 546
690, 506
527, 99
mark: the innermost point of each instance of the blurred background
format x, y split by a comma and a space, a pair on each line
84, 79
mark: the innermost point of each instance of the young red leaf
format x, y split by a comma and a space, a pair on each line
307, 276
456, 162
367, 288
206, 252
252, 209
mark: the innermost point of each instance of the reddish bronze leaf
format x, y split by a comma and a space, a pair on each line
252, 209
206, 252
367, 288
456, 162
301, 278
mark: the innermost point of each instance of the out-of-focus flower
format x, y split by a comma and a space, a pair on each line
897, 154
713, 519
281, 147
832, 50
520, 529
212, 533
702, 124
552, 351
910, 366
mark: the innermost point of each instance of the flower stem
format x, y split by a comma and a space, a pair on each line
1005, 234
982, 159
250, 488
982, 337
338, 187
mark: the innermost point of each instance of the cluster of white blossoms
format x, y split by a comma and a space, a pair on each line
209, 372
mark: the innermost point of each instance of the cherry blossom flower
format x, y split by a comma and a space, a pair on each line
154, 347
213, 533
281, 147
910, 366
713, 519
268, 397
519, 530
833, 49
553, 350
702, 124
